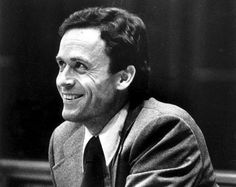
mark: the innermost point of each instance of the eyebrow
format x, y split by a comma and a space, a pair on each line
58, 58
77, 58
74, 59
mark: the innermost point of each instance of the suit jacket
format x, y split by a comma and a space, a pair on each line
160, 145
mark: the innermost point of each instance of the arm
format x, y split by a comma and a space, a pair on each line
51, 158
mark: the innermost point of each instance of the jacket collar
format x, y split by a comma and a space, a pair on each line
74, 143
70, 166
73, 154
131, 117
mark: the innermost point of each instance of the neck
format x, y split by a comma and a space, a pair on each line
96, 124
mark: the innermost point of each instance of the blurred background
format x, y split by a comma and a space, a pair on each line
192, 47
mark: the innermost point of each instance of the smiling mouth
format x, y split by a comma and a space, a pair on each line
71, 97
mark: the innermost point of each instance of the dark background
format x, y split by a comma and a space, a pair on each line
192, 50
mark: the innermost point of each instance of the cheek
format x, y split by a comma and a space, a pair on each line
97, 87
88, 84
57, 81
105, 90
57, 84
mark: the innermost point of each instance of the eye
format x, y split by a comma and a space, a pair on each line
61, 64
80, 67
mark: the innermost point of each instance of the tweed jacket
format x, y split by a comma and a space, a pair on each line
160, 145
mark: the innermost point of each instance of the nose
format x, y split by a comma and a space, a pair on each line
65, 78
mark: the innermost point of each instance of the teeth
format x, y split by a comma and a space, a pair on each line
70, 97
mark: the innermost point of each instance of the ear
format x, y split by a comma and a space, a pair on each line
126, 77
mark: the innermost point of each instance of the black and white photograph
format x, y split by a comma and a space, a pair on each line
117, 93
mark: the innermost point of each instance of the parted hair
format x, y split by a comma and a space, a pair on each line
126, 41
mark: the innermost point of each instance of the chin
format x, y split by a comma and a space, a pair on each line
69, 116
74, 116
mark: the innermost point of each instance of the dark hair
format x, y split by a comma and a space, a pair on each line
126, 42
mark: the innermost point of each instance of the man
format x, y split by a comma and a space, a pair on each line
114, 134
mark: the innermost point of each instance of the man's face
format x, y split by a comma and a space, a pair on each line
84, 82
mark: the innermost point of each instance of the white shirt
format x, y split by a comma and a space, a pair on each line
110, 135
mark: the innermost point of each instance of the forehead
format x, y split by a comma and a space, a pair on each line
82, 36
84, 44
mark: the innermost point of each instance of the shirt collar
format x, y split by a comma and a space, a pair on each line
110, 135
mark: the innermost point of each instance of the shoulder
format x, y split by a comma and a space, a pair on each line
162, 122
159, 113
156, 108
64, 131
169, 133
60, 136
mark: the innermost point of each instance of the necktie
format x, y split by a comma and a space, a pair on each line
94, 164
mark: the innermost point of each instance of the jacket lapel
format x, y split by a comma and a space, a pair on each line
71, 166
130, 119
